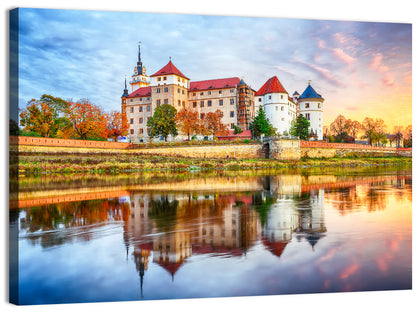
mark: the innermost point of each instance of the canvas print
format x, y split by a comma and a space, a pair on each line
171, 156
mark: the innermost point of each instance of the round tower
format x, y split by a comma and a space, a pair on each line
311, 107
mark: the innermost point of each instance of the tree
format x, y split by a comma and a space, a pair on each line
188, 122
407, 142
354, 128
237, 130
116, 124
368, 126
397, 135
380, 132
45, 116
339, 128
261, 125
89, 120
163, 122
300, 127
212, 124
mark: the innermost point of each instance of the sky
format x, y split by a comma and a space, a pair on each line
361, 69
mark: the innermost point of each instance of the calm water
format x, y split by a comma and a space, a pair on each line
214, 236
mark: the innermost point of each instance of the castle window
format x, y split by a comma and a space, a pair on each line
202, 104
307, 116
131, 109
232, 91
231, 101
141, 120
221, 102
179, 102
124, 110
202, 93
319, 105
131, 131
159, 78
231, 114
166, 89
148, 108
183, 91
209, 103
165, 101
140, 108
259, 99
194, 104
179, 90
183, 103
307, 105
158, 90
281, 96
209, 92
179, 79
131, 100
220, 92
131, 121
141, 131
164, 78
194, 94
202, 116
232, 125
158, 102
282, 108
141, 99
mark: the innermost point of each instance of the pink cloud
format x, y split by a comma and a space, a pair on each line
377, 64
321, 44
350, 270
342, 56
388, 80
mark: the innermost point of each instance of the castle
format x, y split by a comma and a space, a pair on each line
237, 101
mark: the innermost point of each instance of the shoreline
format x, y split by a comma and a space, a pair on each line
113, 165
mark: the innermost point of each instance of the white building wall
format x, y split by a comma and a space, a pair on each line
314, 113
170, 79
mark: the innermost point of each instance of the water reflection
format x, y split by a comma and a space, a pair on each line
284, 216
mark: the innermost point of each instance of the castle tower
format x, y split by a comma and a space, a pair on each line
279, 108
124, 98
139, 78
311, 107
245, 108
169, 86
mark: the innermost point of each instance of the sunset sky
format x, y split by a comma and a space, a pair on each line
360, 68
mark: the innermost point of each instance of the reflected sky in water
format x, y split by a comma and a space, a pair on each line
213, 237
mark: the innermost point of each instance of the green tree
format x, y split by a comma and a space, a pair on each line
237, 130
163, 122
300, 127
261, 125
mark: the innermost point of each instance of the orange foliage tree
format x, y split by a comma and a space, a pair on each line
46, 116
116, 124
88, 120
212, 124
188, 122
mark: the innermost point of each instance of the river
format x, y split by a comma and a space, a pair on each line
212, 234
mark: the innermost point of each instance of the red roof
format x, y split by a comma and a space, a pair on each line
272, 85
276, 248
214, 84
168, 70
141, 92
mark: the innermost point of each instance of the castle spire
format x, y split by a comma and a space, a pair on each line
126, 91
139, 62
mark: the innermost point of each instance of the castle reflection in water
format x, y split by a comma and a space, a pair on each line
170, 228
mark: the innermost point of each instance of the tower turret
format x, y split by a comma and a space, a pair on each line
311, 107
139, 78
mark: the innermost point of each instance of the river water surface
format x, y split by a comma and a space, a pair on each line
213, 235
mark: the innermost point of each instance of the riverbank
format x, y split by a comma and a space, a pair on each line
125, 163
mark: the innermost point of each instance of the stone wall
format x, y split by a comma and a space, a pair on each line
281, 149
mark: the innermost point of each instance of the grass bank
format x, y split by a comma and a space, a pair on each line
126, 163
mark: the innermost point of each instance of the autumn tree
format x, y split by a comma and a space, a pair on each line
354, 127
339, 128
163, 122
212, 124
374, 131
261, 125
116, 125
397, 136
407, 142
45, 116
188, 122
300, 127
88, 120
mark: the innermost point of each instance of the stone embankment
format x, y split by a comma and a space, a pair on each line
279, 149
